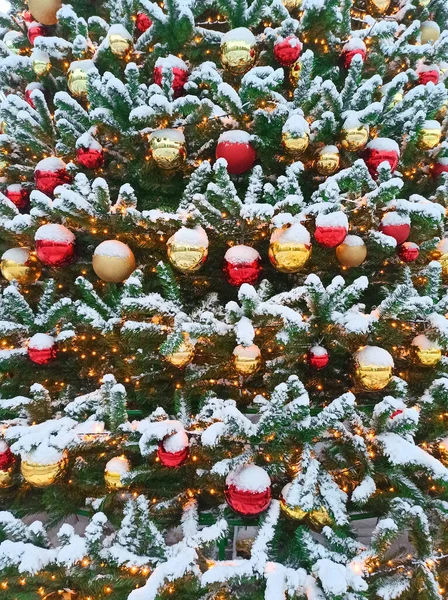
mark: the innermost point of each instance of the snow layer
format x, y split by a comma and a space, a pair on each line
113, 248
55, 233
241, 254
249, 478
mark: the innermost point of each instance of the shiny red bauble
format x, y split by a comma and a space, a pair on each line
35, 29
287, 50
331, 229
242, 264
381, 150
7, 458
90, 158
396, 413
34, 85
353, 47
42, 349
235, 147
142, 22
428, 76
27, 16
178, 68
248, 491
408, 252
18, 195
318, 357
49, 173
441, 166
396, 226
173, 450
55, 245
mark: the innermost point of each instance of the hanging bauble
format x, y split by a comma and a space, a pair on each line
115, 472
242, 265
247, 359
12, 40
18, 195
373, 367
429, 32
327, 160
353, 47
183, 355
289, 248
236, 148
49, 173
77, 77
55, 245
294, 512
442, 255
179, 71
428, 74
21, 265
378, 7
408, 252
295, 135
429, 135
34, 85
42, 349
354, 135
27, 16
292, 5
188, 248
440, 166
167, 148
45, 11
120, 40
396, 413
397, 98
248, 490
41, 62
381, 150
294, 73
42, 467
238, 50
89, 153
287, 50
396, 225
318, 357
113, 261
425, 352
331, 229
174, 449
352, 252
7, 461
142, 22
35, 29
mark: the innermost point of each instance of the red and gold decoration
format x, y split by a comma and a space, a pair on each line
238, 50
40, 62
120, 40
295, 136
142, 22
287, 50
442, 255
429, 32
34, 85
167, 148
45, 11
89, 153
18, 195
7, 462
352, 252
354, 135
289, 248
317, 518
408, 252
373, 367
355, 46
429, 135
248, 490
396, 225
42, 349
183, 355
247, 359
440, 167
55, 245
235, 147
113, 261
378, 7
179, 71
318, 357
327, 160
43, 467
381, 150
428, 74
116, 470
242, 265
174, 449
331, 229
35, 29
49, 173
425, 352
20, 264
188, 248
78, 76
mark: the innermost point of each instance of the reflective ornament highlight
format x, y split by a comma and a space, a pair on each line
352, 252
289, 248
55, 245
167, 148
45, 11
18, 195
248, 490
78, 76
355, 46
440, 167
34, 85
381, 150
238, 50
442, 255
292, 5
295, 136
354, 135
183, 355
328, 160
242, 265
20, 264
120, 40
408, 252
174, 449
115, 472
35, 30
318, 357
331, 229
42, 349
40, 62
49, 173
179, 71
287, 50
7, 462
113, 261
247, 359
378, 7
429, 32
396, 225
142, 22
294, 73
373, 367
12, 40
235, 147
425, 352
43, 467
430, 135
188, 249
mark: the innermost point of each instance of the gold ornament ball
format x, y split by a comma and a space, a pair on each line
294, 512
167, 148
295, 146
430, 135
292, 4
188, 249
429, 32
289, 248
441, 255
120, 41
77, 77
294, 73
238, 50
397, 98
183, 355
6, 478
40, 474
45, 11
319, 517
373, 367
378, 7
355, 137
425, 352
247, 359
115, 469
20, 264
41, 62
113, 261
352, 252
328, 160
12, 40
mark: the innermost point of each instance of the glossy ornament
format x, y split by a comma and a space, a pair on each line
116, 470
396, 413
89, 152
120, 40
42, 349
113, 261
179, 71
40, 62
442, 255
6, 479
440, 166
396, 225
318, 517
352, 252
12, 40
429, 32
248, 490
247, 359
373, 367
235, 147
43, 467
183, 355
331, 229
167, 148
27, 16
289, 248
318, 357
238, 50
294, 73
429, 135
242, 265
18, 195
378, 7
188, 249
292, 5
381, 150
428, 74
354, 135
77, 77
20, 264
35, 30
174, 449
55, 245
327, 160
408, 252
287, 50
7, 462
45, 11
425, 352
295, 136
49, 173
355, 46
142, 22
34, 85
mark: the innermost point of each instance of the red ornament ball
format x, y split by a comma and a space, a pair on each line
396, 225
174, 449
178, 68
27, 16
89, 153
242, 265
18, 195
55, 245
287, 50
428, 73
49, 173
7, 458
34, 85
248, 490
381, 150
235, 147
396, 413
331, 229
142, 22
408, 252
351, 49
441, 166
318, 357
42, 349
35, 29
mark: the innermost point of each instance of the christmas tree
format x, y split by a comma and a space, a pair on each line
224, 300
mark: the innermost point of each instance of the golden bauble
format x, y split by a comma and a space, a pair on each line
354, 137
115, 471
289, 248
373, 367
77, 77
113, 261
44, 11
188, 249
292, 4
41, 62
183, 355
6, 478
430, 135
295, 146
20, 264
319, 517
429, 32
247, 359
238, 50
294, 512
328, 160
12, 40
167, 148
41, 474
425, 352
120, 40
441, 255
294, 73
352, 252
378, 7
397, 98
